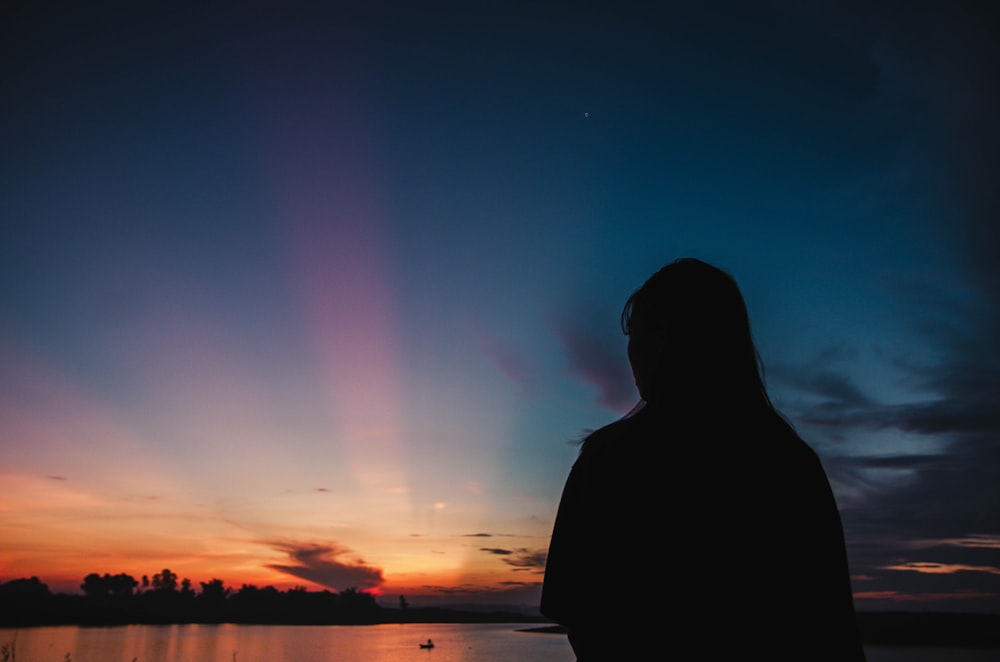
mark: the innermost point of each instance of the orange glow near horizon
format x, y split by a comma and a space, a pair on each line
897, 596
65, 575
60, 532
942, 568
200, 482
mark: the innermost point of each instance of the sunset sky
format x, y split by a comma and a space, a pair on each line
325, 297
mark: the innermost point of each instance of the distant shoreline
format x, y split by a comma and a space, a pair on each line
956, 630
905, 629
414, 616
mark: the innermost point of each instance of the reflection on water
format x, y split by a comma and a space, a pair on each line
280, 643
340, 643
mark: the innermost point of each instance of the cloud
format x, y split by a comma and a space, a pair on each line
975, 542
320, 563
834, 392
599, 362
933, 503
521, 559
930, 568
940, 480
527, 559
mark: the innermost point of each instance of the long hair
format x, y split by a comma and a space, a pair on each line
696, 312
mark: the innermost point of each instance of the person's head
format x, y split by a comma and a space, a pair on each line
689, 336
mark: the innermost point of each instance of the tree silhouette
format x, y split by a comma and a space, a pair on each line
403, 604
24, 589
118, 586
116, 599
94, 586
165, 581
214, 591
23, 601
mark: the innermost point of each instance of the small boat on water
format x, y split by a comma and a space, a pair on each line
428, 645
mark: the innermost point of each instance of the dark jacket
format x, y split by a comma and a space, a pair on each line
721, 531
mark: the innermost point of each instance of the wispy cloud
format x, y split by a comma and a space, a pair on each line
598, 361
324, 564
527, 559
521, 559
946, 488
942, 568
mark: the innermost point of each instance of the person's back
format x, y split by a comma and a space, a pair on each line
704, 523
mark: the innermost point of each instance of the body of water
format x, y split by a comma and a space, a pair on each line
287, 643
343, 643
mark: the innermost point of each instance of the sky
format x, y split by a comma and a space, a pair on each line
327, 296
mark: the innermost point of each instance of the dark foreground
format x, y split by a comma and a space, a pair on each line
114, 600
910, 629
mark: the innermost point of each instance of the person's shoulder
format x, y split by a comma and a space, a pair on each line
775, 440
792, 452
607, 434
640, 434
793, 443
781, 433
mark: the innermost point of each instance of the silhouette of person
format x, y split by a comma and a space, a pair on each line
700, 519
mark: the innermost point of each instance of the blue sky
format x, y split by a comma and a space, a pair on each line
327, 294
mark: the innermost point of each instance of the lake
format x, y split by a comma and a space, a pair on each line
340, 643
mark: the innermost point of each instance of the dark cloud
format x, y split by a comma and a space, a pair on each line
900, 462
598, 361
914, 500
521, 559
932, 581
527, 559
321, 563
478, 535
833, 388
987, 558
948, 491
955, 415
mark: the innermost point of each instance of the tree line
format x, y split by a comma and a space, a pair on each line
165, 598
